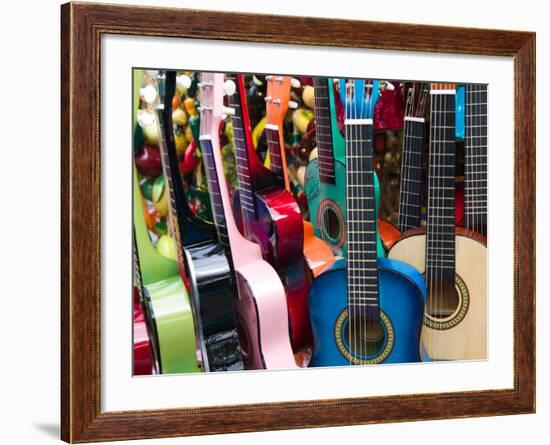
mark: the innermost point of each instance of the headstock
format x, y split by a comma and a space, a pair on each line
360, 97
417, 99
278, 97
213, 111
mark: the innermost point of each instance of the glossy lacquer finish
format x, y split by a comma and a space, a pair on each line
402, 295
268, 214
165, 299
261, 301
316, 252
213, 289
143, 355
207, 264
278, 230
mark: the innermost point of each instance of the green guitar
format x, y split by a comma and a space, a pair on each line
325, 179
165, 300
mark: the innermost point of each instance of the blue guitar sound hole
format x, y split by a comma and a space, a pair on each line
357, 341
365, 343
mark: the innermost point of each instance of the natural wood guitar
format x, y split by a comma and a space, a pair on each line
454, 260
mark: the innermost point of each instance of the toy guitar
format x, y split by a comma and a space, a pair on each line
475, 159
317, 253
269, 215
145, 356
206, 265
261, 301
454, 260
326, 175
371, 311
325, 179
165, 301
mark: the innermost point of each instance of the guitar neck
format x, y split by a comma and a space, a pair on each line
411, 174
440, 242
277, 156
177, 202
475, 163
363, 297
323, 129
244, 149
213, 176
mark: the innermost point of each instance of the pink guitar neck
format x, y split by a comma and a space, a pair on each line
256, 278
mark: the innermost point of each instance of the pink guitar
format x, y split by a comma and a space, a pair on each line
262, 316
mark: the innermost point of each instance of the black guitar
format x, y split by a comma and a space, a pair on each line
206, 264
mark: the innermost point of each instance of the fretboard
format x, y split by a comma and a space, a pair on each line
214, 192
323, 129
475, 162
440, 243
362, 263
410, 194
274, 147
170, 167
242, 158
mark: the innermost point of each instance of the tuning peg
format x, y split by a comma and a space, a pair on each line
228, 111
229, 87
295, 83
145, 118
389, 86
149, 93
184, 81
268, 99
293, 105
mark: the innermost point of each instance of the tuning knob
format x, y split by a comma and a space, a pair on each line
228, 111
229, 87
268, 99
295, 83
149, 93
293, 105
184, 81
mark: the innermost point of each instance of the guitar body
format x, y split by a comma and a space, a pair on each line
262, 318
402, 294
327, 205
143, 355
389, 234
169, 312
213, 290
463, 335
278, 230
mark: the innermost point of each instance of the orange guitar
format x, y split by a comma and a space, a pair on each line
316, 251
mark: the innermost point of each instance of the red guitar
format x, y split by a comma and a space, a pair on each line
143, 356
317, 253
269, 215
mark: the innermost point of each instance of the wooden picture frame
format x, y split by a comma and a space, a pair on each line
82, 27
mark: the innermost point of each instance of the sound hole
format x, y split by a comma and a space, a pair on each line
331, 223
365, 338
443, 300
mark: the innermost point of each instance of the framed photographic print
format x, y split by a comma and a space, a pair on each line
283, 230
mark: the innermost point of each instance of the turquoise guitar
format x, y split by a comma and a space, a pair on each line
369, 310
325, 179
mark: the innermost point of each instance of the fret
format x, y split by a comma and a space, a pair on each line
361, 218
440, 239
475, 137
214, 191
242, 162
323, 129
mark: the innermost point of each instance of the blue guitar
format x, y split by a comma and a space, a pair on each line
369, 310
